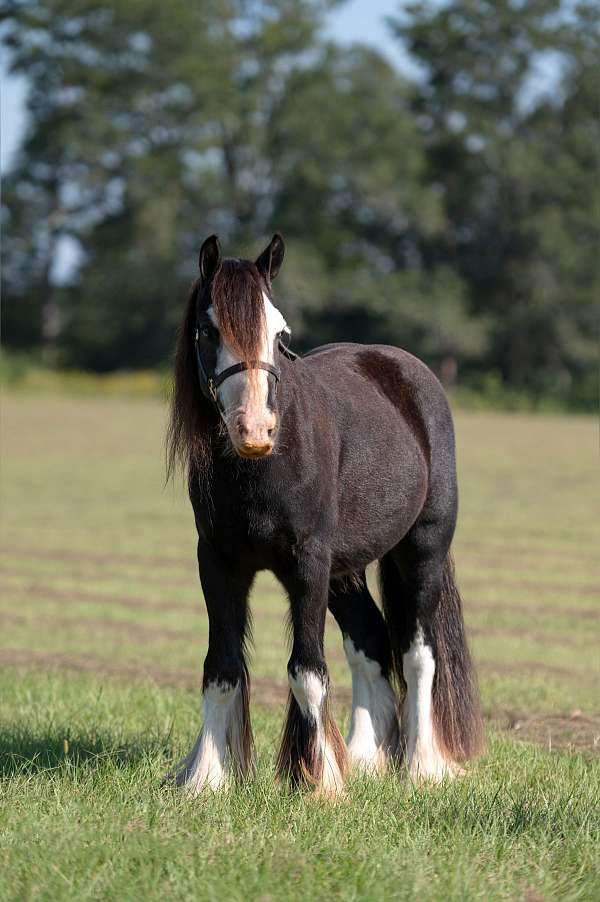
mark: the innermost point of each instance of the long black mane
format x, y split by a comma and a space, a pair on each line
236, 295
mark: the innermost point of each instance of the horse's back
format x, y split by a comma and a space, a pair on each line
375, 362
392, 373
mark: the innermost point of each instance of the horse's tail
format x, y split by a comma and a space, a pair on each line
456, 708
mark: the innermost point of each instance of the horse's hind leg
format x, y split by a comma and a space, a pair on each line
441, 723
224, 748
312, 751
373, 735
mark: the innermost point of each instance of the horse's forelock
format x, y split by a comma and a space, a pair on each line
238, 306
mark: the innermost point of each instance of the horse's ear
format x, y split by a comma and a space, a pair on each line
210, 257
269, 262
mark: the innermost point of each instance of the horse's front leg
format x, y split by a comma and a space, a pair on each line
312, 750
224, 748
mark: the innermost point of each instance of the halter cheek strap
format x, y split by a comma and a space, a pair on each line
207, 385
210, 383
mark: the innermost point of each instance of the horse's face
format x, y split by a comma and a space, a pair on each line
248, 400
238, 323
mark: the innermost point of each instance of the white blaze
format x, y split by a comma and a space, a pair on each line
235, 394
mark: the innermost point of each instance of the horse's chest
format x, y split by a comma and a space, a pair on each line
259, 523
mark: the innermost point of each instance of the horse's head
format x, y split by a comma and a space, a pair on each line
237, 333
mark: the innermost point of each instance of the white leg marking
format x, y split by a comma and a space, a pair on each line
425, 761
310, 690
373, 735
207, 764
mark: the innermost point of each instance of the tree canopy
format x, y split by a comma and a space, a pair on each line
454, 213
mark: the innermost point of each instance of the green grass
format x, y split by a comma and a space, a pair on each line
102, 637
85, 816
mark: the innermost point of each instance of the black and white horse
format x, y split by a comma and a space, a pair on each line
313, 468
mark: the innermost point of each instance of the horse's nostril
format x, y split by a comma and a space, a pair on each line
271, 432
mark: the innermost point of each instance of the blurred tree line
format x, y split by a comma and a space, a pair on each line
455, 213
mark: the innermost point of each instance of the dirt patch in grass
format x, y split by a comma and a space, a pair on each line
573, 732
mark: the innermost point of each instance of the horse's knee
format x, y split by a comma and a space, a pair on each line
222, 668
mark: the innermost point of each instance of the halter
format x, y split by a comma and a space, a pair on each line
210, 382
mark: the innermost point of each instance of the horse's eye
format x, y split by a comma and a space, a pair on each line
206, 331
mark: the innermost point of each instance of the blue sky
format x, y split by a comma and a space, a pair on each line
356, 20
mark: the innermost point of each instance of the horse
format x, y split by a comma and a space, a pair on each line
314, 467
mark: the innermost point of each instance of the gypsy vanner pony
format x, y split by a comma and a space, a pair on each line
313, 468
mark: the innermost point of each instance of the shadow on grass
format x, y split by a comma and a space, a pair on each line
24, 751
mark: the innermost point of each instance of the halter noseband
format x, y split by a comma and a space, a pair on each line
209, 383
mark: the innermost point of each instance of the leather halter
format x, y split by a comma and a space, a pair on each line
209, 383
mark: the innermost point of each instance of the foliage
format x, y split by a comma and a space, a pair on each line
514, 156
454, 214
22, 373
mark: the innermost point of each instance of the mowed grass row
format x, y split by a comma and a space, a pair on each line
103, 636
98, 558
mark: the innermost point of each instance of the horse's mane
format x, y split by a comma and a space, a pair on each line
235, 293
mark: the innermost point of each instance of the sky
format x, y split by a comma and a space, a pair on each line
356, 20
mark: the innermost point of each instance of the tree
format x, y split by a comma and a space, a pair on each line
515, 168
455, 215
349, 187
147, 121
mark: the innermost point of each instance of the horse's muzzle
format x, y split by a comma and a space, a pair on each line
253, 437
252, 452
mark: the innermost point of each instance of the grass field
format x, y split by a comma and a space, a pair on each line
103, 634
